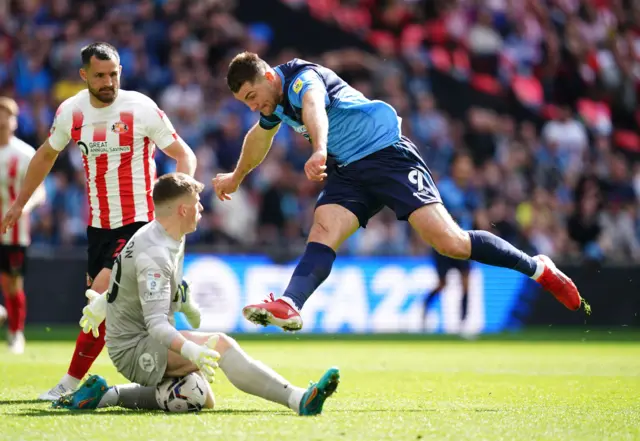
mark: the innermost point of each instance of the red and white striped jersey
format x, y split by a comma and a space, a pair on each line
14, 161
118, 144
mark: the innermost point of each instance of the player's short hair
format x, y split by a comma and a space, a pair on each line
245, 67
100, 50
173, 186
10, 105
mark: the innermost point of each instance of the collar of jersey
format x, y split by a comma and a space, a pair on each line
279, 109
171, 240
277, 69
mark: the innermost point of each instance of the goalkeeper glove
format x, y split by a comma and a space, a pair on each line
94, 313
203, 356
188, 306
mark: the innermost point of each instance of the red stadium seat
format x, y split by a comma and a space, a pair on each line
412, 37
486, 83
461, 61
627, 139
550, 111
594, 112
440, 59
528, 91
435, 32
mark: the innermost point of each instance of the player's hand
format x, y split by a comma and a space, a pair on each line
94, 313
316, 166
224, 184
203, 356
10, 219
188, 306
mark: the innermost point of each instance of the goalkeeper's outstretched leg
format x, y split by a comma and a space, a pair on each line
245, 373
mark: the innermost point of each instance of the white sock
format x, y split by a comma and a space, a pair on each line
295, 398
70, 382
256, 378
110, 398
539, 269
290, 302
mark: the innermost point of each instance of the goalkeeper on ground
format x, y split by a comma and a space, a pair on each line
142, 341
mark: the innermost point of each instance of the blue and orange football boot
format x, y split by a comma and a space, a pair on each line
86, 397
315, 396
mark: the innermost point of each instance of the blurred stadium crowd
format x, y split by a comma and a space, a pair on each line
564, 184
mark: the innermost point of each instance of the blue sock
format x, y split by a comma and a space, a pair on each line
314, 267
492, 250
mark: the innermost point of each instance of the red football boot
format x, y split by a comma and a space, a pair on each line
561, 286
274, 312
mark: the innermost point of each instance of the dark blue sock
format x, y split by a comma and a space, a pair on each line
314, 267
464, 305
430, 300
492, 250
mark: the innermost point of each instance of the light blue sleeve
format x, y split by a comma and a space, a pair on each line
304, 81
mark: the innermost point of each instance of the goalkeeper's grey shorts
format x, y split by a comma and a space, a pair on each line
144, 364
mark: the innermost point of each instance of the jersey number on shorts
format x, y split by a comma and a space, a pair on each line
418, 177
120, 245
115, 285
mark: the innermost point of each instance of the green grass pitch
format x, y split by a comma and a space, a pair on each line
582, 387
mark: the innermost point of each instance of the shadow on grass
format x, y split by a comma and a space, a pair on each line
13, 402
137, 413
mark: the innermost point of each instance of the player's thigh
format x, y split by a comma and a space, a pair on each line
12, 268
101, 282
104, 246
145, 364
11, 283
399, 178
178, 366
222, 345
332, 225
404, 184
343, 205
436, 227
97, 243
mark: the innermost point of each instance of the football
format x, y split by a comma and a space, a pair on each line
185, 394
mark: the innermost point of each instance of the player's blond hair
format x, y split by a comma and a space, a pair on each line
173, 186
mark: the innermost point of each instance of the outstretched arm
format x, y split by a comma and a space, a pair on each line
316, 121
39, 168
162, 133
186, 161
309, 93
255, 147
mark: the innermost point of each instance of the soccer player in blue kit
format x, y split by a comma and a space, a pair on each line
461, 200
375, 166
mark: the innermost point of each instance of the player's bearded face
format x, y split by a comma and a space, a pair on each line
271, 98
260, 96
103, 79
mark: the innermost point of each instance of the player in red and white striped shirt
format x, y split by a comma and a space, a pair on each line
14, 160
117, 132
